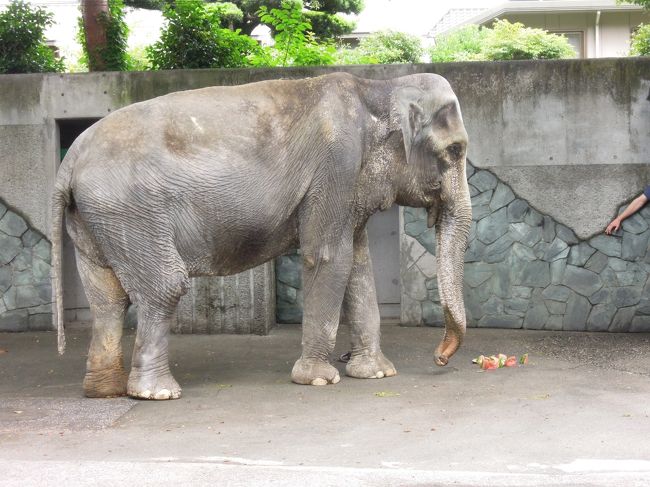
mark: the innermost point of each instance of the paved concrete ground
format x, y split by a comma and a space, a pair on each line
577, 415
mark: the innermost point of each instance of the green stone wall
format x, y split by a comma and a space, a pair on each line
523, 269
25, 291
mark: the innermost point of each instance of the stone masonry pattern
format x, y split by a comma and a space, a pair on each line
25, 290
288, 279
525, 270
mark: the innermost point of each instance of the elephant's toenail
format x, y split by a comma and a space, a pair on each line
162, 394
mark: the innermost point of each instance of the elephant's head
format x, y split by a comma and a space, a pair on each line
433, 176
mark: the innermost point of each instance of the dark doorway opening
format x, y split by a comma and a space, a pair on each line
70, 129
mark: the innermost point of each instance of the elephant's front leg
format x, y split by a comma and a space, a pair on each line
325, 274
361, 311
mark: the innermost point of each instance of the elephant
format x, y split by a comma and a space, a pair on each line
217, 180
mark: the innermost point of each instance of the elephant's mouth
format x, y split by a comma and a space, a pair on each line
432, 215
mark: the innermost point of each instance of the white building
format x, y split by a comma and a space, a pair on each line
595, 28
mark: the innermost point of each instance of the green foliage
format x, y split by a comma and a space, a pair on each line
505, 41
322, 14
640, 42
643, 3
138, 60
112, 56
328, 26
22, 40
117, 34
193, 38
294, 45
388, 47
346, 55
147, 4
228, 13
464, 44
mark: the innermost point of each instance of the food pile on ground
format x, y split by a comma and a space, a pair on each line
499, 361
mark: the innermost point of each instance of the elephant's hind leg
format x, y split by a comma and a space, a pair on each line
150, 377
105, 375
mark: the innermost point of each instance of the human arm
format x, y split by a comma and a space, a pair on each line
632, 208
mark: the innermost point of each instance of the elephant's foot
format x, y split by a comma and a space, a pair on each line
152, 385
367, 365
314, 372
109, 382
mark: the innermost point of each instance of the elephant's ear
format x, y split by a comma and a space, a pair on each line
410, 113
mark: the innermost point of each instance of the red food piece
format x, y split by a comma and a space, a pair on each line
490, 363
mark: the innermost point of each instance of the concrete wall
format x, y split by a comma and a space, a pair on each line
568, 137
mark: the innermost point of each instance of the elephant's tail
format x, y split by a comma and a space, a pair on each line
61, 198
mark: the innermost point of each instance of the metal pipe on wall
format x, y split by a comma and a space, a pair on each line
597, 26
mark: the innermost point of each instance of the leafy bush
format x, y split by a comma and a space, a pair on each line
347, 55
328, 26
294, 45
640, 42
506, 41
137, 58
643, 3
192, 38
464, 44
228, 13
388, 47
22, 40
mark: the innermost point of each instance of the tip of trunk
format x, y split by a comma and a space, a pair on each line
447, 347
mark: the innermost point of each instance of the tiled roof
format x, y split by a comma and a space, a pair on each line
453, 18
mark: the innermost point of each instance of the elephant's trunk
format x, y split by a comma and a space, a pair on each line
452, 231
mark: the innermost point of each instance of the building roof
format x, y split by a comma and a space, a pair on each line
454, 18
532, 6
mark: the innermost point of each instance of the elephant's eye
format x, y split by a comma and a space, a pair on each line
455, 151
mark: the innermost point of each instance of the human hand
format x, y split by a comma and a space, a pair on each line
613, 227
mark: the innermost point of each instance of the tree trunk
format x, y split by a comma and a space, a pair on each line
95, 32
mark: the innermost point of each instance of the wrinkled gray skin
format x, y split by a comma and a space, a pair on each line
218, 180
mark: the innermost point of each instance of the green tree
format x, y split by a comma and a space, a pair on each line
640, 42
228, 13
464, 44
385, 47
106, 49
22, 40
323, 15
294, 44
504, 41
643, 3
192, 38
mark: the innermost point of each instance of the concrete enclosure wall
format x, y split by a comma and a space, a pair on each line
570, 138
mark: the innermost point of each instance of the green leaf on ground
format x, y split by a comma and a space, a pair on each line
387, 394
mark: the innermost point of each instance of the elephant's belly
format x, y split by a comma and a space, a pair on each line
232, 251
